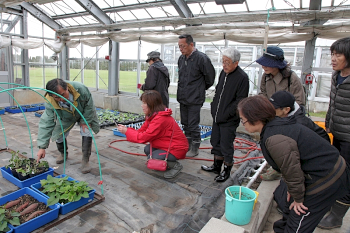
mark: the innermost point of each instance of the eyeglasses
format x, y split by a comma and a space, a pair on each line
182, 46
227, 63
243, 122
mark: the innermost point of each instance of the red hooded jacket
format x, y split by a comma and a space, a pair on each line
157, 130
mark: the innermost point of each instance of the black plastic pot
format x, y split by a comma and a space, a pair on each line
21, 178
14, 172
40, 171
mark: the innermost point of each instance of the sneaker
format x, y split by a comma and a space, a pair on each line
270, 175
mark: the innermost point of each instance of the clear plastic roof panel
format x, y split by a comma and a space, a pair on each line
157, 12
115, 17
284, 5
126, 15
195, 9
141, 14
170, 10
212, 8
259, 5
235, 8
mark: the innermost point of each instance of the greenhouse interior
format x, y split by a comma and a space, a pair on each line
104, 45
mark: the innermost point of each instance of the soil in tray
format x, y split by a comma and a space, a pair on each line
30, 200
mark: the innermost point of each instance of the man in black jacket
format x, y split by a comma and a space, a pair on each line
196, 74
157, 77
233, 86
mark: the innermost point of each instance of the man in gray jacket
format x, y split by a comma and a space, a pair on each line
196, 74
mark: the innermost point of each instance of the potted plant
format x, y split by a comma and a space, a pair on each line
26, 210
5, 220
67, 192
15, 163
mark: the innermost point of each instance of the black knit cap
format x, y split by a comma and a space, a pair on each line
282, 99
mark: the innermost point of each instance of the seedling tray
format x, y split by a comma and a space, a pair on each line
41, 106
2, 111
31, 108
39, 113
17, 110
66, 208
37, 222
7, 174
134, 125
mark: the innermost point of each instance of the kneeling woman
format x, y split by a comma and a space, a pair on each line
315, 173
161, 131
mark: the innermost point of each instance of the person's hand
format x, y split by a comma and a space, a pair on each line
41, 154
84, 126
299, 208
328, 130
288, 196
122, 128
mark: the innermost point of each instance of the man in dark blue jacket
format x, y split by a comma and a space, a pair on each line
232, 87
196, 74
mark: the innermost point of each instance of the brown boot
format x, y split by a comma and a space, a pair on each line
86, 148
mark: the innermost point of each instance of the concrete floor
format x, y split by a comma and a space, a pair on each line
137, 198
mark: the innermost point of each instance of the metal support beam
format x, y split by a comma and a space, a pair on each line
25, 57
308, 58
141, 5
113, 68
64, 63
315, 5
182, 8
95, 11
41, 16
13, 24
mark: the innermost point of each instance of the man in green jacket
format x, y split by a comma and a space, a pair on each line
49, 125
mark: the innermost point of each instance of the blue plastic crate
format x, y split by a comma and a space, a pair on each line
37, 222
2, 111
117, 133
66, 208
17, 110
7, 174
37, 114
30, 108
41, 106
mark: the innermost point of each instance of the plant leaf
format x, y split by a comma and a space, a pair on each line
3, 226
53, 200
85, 194
2, 216
15, 214
15, 221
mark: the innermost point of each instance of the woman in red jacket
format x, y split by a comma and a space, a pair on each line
161, 131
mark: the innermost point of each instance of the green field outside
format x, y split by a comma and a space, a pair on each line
128, 79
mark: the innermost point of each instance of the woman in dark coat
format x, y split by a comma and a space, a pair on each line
315, 174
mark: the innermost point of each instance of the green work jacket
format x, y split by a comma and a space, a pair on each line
49, 125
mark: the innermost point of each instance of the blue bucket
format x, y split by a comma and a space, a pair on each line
239, 211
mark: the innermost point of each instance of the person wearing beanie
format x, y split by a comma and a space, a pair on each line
157, 77
278, 75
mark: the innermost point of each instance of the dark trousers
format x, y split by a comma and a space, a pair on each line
344, 150
318, 205
343, 147
190, 116
222, 138
158, 154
